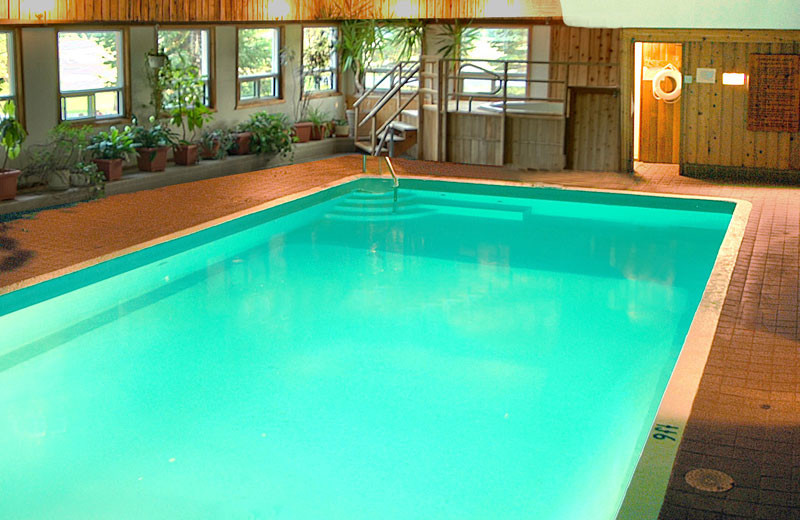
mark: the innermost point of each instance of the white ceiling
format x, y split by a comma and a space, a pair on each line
718, 14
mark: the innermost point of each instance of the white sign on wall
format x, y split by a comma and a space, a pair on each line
705, 76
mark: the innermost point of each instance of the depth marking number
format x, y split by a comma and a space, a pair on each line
665, 431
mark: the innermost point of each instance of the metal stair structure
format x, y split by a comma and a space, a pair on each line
398, 133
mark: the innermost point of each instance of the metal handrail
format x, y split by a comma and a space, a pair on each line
366, 94
402, 80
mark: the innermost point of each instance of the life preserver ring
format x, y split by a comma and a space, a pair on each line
667, 72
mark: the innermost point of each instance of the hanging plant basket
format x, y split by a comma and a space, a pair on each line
157, 60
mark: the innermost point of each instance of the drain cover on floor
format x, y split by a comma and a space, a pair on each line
709, 480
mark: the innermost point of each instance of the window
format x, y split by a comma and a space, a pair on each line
395, 44
7, 76
188, 47
90, 74
485, 77
319, 59
259, 64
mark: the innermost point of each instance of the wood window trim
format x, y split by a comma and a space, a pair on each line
281, 69
324, 93
19, 83
212, 54
126, 115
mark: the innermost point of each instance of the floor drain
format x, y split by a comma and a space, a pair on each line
709, 480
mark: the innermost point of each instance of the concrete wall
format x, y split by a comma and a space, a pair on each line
39, 64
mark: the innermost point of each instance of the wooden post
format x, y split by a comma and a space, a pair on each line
502, 152
625, 69
355, 123
443, 102
373, 138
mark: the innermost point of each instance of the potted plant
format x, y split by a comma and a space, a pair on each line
341, 128
12, 135
302, 127
154, 143
271, 133
240, 145
86, 174
188, 110
156, 59
214, 144
51, 162
110, 149
319, 123
361, 40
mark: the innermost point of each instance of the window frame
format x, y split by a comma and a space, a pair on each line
263, 101
15, 70
336, 68
123, 60
211, 82
528, 54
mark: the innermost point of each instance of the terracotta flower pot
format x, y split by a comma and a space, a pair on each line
112, 168
152, 159
303, 131
8, 184
185, 155
318, 132
209, 153
241, 145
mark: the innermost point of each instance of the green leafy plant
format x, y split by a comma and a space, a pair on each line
272, 133
64, 149
186, 98
158, 79
154, 136
361, 41
95, 178
225, 137
113, 144
12, 135
318, 117
455, 40
299, 100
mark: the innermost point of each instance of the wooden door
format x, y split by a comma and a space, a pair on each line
660, 121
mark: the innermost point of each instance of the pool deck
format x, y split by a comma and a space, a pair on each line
745, 420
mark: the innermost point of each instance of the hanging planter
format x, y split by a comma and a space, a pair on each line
156, 60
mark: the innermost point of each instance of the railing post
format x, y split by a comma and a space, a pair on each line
502, 152
373, 137
355, 123
444, 98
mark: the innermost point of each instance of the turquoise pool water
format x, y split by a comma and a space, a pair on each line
467, 352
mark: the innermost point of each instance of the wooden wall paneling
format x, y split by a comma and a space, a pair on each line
734, 100
748, 144
760, 138
703, 106
659, 134
715, 114
785, 138
589, 149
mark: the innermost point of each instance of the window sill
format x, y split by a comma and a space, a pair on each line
112, 121
323, 94
241, 105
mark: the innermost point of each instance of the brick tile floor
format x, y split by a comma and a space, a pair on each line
746, 417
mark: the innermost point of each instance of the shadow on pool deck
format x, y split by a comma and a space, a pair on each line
746, 417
